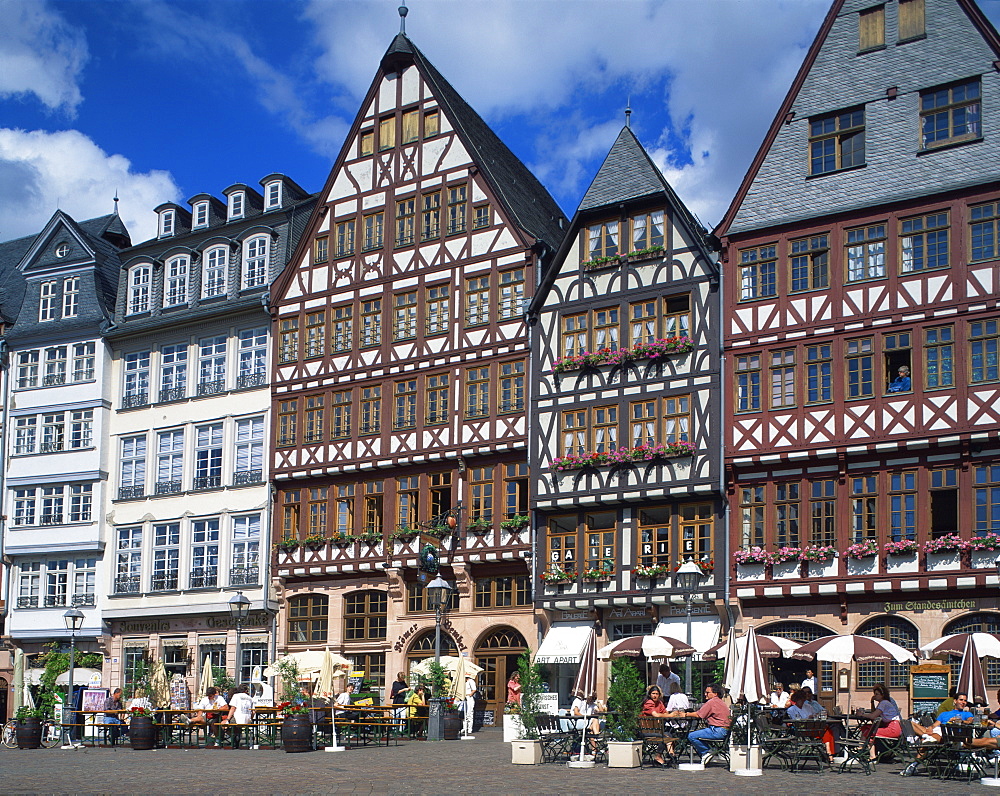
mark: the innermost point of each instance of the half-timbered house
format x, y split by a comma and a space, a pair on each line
626, 478
861, 340
399, 392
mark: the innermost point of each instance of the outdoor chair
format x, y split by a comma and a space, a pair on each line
654, 740
775, 742
954, 759
718, 748
556, 743
808, 745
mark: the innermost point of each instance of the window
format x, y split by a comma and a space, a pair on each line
430, 216
244, 569
166, 556
511, 294
987, 495
367, 143
481, 493
786, 514
748, 383
406, 404
25, 431
440, 495
647, 230
321, 250
432, 124
53, 433
677, 419
345, 238
204, 554
166, 223
896, 354
837, 142
136, 391
317, 511
436, 399
236, 202
71, 297
783, 378
894, 675
605, 428
139, 278
55, 366
561, 544
602, 240
810, 259
871, 29
249, 451
365, 615
133, 467
374, 518
752, 516
386, 133
253, 358
255, 269
866, 253
24, 506
81, 429
272, 196
289, 331
371, 410
515, 485
642, 423
823, 512
911, 20
511, 387
315, 342
606, 325
758, 273
574, 334
438, 310
84, 577
983, 344
697, 522
307, 618
503, 592
864, 508
819, 374
950, 115
985, 231
574, 432
128, 561
477, 392
371, 323
411, 126
477, 301
216, 267
407, 501
208, 457
944, 502
481, 217
27, 369
53, 504
405, 220
287, 422
176, 278
313, 431
56, 583
343, 510
860, 368
600, 532
200, 214
29, 584
83, 361
903, 505
373, 228
290, 509
404, 320
173, 372
212, 365
456, 209
169, 461
340, 414
924, 243
654, 537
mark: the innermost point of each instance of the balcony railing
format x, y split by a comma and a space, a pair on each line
127, 584
54, 380
244, 576
51, 447
27, 602
50, 519
251, 380
244, 477
164, 582
135, 400
81, 600
211, 387
207, 482
55, 600
171, 394
204, 577
130, 492
168, 487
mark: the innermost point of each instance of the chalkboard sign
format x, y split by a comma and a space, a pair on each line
928, 686
489, 718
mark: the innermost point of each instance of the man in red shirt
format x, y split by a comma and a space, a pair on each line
715, 712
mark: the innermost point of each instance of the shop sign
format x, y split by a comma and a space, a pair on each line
258, 619
573, 616
446, 625
931, 605
696, 610
628, 613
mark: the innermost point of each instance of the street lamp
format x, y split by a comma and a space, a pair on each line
686, 580
438, 592
239, 607
74, 621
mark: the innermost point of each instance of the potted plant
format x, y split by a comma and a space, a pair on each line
142, 728
512, 726
751, 564
370, 538
528, 749
296, 727
901, 556
983, 550
786, 562
650, 573
405, 534
315, 542
602, 572
625, 693
821, 559
944, 552
480, 525
29, 727
287, 545
556, 576
515, 523
439, 531
342, 539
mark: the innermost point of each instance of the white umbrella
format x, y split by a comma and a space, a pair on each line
81, 676
309, 662
159, 686
450, 664
207, 677
748, 679
987, 645
844, 649
586, 684
19, 684
769, 646
327, 673
650, 646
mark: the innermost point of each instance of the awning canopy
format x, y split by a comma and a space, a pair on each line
704, 631
565, 642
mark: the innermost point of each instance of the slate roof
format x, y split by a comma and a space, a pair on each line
528, 202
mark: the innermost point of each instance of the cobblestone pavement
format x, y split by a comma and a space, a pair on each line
474, 767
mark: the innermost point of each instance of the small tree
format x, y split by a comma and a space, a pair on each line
531, 687
288, 678
222, 681
437, 679
625, 695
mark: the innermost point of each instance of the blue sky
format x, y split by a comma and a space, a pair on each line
160, 99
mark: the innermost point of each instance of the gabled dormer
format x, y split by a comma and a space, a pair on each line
280, 191
242, 202
206, 211
171, 220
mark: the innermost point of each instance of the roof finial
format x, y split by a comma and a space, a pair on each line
628, 112
116, 201
403, 11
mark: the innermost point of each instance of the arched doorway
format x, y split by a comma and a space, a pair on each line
895, 675
497, 652
789, 670
982, 622
423, 647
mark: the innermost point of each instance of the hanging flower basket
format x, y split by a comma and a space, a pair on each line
904, 547
989, 541
786, 554
439, 531
515, 523
651, 572
370, 539
865, 549
556, 576
949, 543
821, 554
755, 555
600, 262
315, 543
598, 574
343, 539
405, 535
644, 254
287, 545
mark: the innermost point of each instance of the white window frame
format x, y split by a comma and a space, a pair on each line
167, 219
215, 272
169, 461
81, 503
71, 297
253, 358
212, 364
83, 361
173, 372
139, 280
273, 195
47, 297
205, 543
81, 429
55, 366
256, 252
245, 552
249, 458
53, 437
52, 505
84, 581
128, 555
208, 456
135, 376
166, 556
27, 369
29, 584
175, 288
132, 465
237, 205
199, 215
25, 435
25, 506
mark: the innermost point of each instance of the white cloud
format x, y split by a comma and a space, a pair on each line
40, 54
41, 171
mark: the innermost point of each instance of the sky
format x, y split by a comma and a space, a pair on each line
159, 100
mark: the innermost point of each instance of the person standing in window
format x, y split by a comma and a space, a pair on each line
902, 382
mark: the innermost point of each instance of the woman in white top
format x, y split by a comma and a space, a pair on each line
678, 699
240, 712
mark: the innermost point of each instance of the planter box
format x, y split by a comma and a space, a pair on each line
824, 569
862, 566
624, 754
512, 727
907, 563
939, 562
751, 572
786, 570
526, 753
983, 559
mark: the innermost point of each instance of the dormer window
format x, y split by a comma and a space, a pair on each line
201, 215
71, 297
213, 281
272, 196
236, 205
47, 301
176, 286
255, 262
139, 277
166, 223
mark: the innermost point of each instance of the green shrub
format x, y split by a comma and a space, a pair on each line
625, 695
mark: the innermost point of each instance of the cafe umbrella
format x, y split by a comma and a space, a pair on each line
769, 646
584, 686
847, 648
652, 647
329, 670
971, 680
207, 677
987, 645
747, 678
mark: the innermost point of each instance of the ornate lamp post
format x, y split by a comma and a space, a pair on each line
686, 580
438, 591
74, 621
239, 607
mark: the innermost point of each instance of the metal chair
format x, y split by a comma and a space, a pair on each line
654, 739
809, 745
775, 742
556, 742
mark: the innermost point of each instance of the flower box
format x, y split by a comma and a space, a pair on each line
652, 253
786, 570
751, 572
908, 562
983, 559
623, 456
944, 561
862, 566
655, 350
824, 569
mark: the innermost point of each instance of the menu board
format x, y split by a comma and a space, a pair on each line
928, 686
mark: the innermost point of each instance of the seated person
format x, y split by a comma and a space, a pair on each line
344, 699
113, 703
209, 709
417, 709
583, 709
240, 712
947, 704
960, 713
678, 702
717, 717
811, 702
902, 382
653, 705
779, 697
799, 711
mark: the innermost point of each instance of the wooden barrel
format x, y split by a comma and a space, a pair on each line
296, 733
142, 732
452, 725
29, 733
